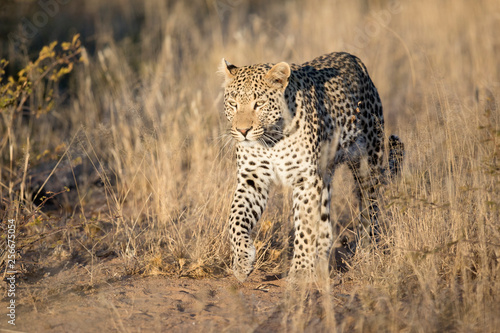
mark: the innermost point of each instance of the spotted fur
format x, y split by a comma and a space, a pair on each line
295, 124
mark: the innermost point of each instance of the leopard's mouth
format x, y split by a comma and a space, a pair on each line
248, 143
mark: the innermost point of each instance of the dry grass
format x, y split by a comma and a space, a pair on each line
147, 108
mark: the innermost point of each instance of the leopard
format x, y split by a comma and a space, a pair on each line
295, 125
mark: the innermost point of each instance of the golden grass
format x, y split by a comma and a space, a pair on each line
148, 107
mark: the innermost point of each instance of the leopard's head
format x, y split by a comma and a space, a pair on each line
254, 101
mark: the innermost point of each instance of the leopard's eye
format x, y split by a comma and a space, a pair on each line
232, 104
258, 104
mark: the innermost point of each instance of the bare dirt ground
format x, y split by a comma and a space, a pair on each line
63, 300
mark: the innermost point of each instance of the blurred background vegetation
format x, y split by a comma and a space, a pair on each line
135, 133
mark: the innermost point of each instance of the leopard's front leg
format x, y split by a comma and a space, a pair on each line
313, 230
249, 201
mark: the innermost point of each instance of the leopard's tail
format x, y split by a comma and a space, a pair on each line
396, 155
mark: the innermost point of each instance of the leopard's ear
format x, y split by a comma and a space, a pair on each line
278, 75
227, 70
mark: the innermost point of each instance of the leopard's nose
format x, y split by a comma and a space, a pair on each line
244, 131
